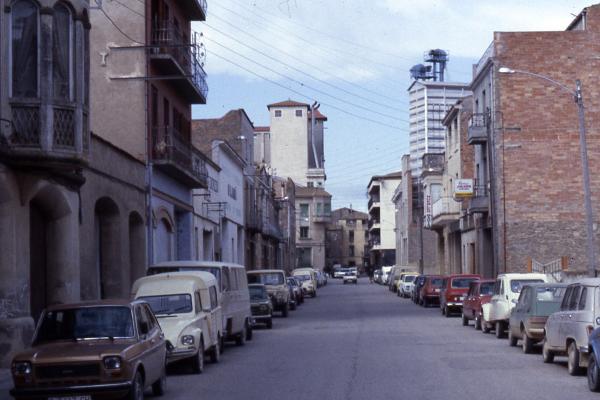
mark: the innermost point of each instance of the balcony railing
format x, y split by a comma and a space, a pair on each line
480, 202
477, 132
444, 211
194, 9
322, 217
372, 201
176, 55
178, 157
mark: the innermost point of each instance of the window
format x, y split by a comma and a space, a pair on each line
197, 302
24, 51
574, 298
351, 251
351, 236
213, 298
298, 113
304, 211
278, 113
319, 209
232, 191
327, 208
565, 303
304, 232
310, 184
62, 53
583, 299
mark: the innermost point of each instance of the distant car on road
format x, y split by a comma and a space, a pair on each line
407, 284
296, 289
593, 370
480, 292
350, 277
261, 305
309, 280
274, 280
107, 349
454, 291
536, 302
430, 292
418, 285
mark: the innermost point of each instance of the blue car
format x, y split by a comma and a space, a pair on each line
593, 371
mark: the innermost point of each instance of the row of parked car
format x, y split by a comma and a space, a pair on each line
182, 312
563, 318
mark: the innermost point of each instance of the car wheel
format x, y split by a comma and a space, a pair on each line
442, 310
285, 311
425, 303
137, 387
240, 339
593, 374
485, 328
446, 312
292, 306
573, 360
269, 323
314, 294
198, 360
512, 340
160, 386
526, 343
499, 329
547, 354
249, 331
215, 354
465, 321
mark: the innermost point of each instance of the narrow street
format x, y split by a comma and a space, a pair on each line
363, 342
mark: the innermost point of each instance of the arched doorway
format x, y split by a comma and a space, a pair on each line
164, 237
38, 261
108, 248
137, 246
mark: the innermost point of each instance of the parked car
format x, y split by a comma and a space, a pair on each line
296, 288
430, 292
274, 280
454, 291
385, 274
506, 293
593, 370
416, 293
235, 299
261, 305
106, 348
350, 277
568, 330
392, 276
536, 302
377, 276
406, 285
338, 273
480, 292
186, 305
308, 277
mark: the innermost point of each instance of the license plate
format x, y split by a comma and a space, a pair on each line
85, 397
462, 298
437, 290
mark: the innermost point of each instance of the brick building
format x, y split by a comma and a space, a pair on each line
347, 239
527, 153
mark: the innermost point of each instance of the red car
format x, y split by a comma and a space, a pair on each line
454, 291
430, 292
480, 292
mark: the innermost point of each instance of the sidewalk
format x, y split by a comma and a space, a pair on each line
5, 383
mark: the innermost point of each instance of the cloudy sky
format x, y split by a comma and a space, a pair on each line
353, 57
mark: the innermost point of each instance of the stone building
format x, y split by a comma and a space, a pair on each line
285, 202
347, 239
313, 206
382, 218
44, 148
526, 137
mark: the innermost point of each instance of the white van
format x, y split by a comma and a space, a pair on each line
235, 297
187, 307
308, 277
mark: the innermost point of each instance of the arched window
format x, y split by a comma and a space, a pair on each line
24, 49
62, 52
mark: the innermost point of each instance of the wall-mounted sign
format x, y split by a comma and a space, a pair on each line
428, 212
463, 188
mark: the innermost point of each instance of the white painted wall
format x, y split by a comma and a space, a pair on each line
289, 143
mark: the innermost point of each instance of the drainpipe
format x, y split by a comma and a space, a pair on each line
149, 167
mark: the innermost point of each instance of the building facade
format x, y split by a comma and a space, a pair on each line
347, 239
313, 207
382, 218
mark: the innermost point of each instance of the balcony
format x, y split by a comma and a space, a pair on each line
194, 9
322, 218
34, 140
444, 212
375, 243
178, 158
177, 59
477, 133
373, 203
480, 202
374, 187
254, 220
374, 224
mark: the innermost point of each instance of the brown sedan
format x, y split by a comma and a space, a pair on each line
99, 350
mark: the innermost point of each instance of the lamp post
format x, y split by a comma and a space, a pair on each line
591, 251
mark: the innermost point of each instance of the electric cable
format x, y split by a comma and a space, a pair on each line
117, 27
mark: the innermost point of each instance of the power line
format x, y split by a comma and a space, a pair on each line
305, 96
306, 63
308, 86
117, 27
130, 9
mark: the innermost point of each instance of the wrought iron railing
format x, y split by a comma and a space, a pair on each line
170, 146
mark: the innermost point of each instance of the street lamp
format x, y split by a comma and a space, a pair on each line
591, 252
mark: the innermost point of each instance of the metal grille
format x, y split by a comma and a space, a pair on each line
67, 371
64, 127
26, 125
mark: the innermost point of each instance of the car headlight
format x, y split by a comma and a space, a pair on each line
187, 340
21, 368
112, 362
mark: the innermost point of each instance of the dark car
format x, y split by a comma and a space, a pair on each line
454, 292
297, 289
593, 369
527, 320
261, 305
416, 293
104, 349
430, 292
480, 292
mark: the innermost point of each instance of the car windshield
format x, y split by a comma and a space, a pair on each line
302, 277
257, 293
486, 288
436, 282
462, 283
267, 278
550, 294
169, 304
86, 323
517, 284
409, 278
292, 282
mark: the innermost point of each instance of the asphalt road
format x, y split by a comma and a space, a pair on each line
362, 342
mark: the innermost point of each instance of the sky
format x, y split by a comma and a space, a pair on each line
353, 57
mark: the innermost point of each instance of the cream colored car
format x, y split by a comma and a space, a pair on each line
186, 305
308, 277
